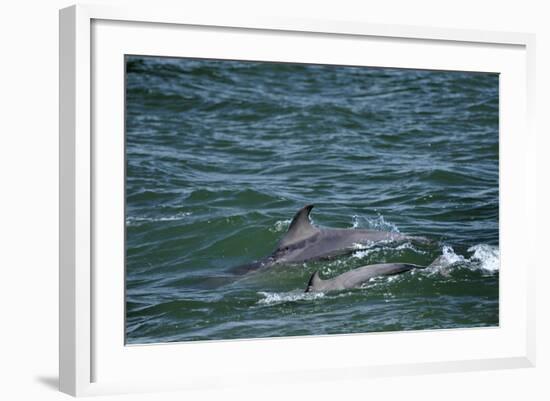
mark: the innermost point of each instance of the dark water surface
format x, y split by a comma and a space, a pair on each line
220, 155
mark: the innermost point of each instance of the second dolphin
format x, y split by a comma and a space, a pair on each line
356, 277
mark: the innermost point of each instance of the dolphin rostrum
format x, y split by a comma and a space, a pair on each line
356, 277
304, 241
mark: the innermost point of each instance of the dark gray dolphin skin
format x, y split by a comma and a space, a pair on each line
304, 241
354, 278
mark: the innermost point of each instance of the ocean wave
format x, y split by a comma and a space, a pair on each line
137, 220
231, 196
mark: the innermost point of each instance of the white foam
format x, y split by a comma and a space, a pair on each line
273, 298
450, 257
280, 225
410, 246
362, 253
485, 258
488, 255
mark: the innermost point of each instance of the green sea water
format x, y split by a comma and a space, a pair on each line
221, 154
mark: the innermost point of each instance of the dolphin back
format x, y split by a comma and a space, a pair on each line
387, 269
303, 242
357, 277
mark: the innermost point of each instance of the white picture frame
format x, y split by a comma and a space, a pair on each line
95, 361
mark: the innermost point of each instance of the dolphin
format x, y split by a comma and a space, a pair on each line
354, 278
303, 242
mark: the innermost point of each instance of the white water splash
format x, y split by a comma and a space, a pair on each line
489, 256
380, 223
273, 298
410, 246
377, 223
485, 258
280, 225
363, 253
450, 257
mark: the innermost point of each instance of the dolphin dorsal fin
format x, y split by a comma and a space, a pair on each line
300, 228
314, 281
